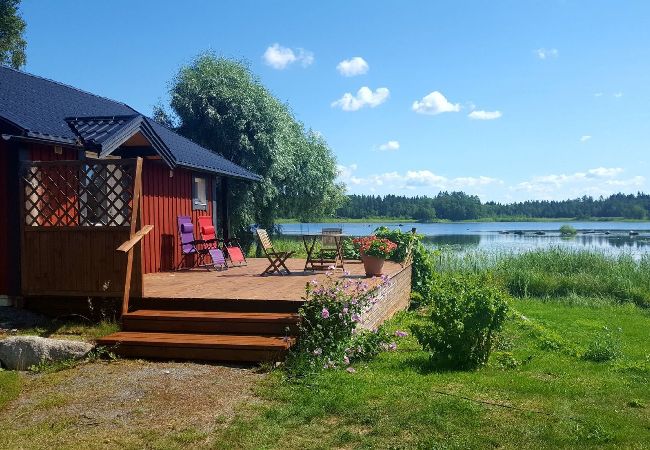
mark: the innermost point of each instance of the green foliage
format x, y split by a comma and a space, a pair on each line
10, 386
568, 230
328, 322
221, 105
467, 313
461, 206
423, 269
12, 28
605, 347
559, 272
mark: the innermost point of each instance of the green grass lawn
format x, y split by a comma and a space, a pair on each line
551, 399
9, 386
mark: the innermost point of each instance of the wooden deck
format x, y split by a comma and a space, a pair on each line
245, 283
229, 315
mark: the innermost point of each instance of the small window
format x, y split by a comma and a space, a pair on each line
200, 194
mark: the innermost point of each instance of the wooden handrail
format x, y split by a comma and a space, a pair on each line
137, 237
135, 218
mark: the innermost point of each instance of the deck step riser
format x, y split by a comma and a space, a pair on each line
189, 304
212, 327
198, 354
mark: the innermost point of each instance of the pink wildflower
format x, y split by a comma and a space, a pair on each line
325, 313
350, 369
392, 346
318, 351
346, 360
400, 333
356, 317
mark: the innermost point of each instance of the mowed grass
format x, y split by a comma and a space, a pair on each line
558, 272
59, 329
9, 386
552, 398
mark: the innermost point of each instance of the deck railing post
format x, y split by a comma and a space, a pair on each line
137, 194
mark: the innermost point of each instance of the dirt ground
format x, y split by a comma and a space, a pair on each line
125, 403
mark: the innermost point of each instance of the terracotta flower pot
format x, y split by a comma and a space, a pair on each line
373, 265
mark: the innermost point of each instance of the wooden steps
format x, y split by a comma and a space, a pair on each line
208, 347
226, 322
209, 330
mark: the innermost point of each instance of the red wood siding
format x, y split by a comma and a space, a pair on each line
39, 152
164, 199
5, 211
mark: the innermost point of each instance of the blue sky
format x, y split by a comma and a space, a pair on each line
509, 100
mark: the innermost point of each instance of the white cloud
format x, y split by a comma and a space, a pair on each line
353, 66
364, 97
434, 103
484, 115
410, 180
595, 182
598, 94
547, 53
390, 145
280, 57
618, 94
605, 172
585, 138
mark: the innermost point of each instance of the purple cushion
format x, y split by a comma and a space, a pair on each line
187, 228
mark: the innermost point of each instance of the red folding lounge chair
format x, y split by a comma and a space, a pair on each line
231, 246
209, 238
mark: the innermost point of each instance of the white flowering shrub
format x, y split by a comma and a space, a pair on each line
328, 335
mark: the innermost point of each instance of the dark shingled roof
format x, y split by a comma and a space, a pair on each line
45, 109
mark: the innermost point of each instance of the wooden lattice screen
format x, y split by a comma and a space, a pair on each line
79, 193
76, 214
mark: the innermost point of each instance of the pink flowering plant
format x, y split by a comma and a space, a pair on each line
329, 336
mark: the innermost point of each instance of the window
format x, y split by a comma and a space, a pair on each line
200, 194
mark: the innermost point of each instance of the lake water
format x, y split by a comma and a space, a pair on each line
610, 237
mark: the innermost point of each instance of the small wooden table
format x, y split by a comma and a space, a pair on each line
309, 240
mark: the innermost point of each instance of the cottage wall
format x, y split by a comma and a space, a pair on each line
166, 196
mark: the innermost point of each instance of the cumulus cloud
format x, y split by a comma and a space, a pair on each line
280, 57
390, 145
484, 115
618, 94
353, 66
599, 181
364, 97
585, 138
434, 103
410, 180
547, 53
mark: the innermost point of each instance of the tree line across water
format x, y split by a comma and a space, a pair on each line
461, 206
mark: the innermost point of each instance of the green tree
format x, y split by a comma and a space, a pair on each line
12, 27
221, 105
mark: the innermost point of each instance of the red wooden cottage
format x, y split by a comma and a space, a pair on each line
51, 213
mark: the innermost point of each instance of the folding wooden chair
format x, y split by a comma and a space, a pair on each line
276, 259
330, 252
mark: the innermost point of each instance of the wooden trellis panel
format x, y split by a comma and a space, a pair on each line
78, 193
76, 213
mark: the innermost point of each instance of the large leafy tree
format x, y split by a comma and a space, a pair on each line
12, 27
221, 105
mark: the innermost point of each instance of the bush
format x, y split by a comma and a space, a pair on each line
605, 347
568, 230
467, 313
422, 264
328, 336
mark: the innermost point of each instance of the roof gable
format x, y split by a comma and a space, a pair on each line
56, 112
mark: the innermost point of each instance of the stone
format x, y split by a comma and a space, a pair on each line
22, 352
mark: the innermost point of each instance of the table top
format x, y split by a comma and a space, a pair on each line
322, 234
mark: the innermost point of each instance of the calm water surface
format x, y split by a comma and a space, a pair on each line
610, 237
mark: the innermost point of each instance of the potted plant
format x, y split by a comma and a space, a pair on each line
374, 251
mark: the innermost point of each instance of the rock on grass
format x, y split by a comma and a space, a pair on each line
22, 352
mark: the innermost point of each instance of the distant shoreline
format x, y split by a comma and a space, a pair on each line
482, 220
